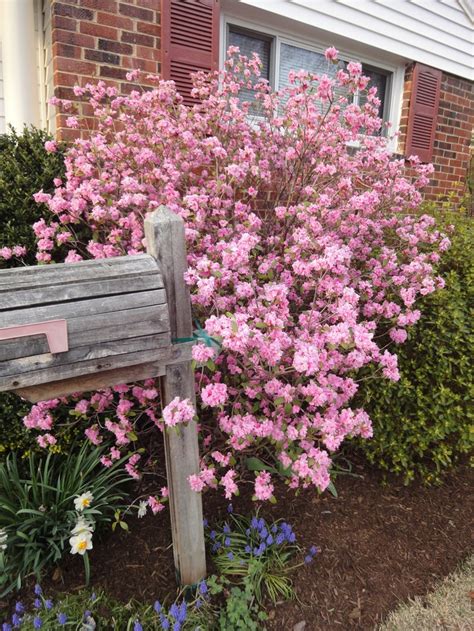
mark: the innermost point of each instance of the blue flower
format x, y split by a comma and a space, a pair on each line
313, 550
37, 622
38, 590
87, 614
308, 558
230, 556
198, 603
263, 533
230, 508
274, 528
226, 528
254, 523
280, 538
212, 534
291, 537
93, 597
269, 540
174, 611
137, 626
6, 627
227, 542
183, 612
205, 523
62, 618
48, 604
37, 603
164, 623
19, 607
16, 620
203, 587
261, 523
248, 549
157, 606
177, 626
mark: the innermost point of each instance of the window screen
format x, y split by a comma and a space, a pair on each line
249, 43
294, 58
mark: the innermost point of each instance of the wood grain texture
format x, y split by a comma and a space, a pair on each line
43, 275
164, 232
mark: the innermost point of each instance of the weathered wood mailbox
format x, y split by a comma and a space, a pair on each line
75, 327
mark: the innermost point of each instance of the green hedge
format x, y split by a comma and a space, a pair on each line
25, 168
424, 422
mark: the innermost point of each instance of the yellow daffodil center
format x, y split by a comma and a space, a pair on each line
82, 545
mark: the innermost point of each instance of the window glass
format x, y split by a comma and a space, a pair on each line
249, 43
294, 58
379, 81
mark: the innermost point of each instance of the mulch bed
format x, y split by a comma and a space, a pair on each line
379, 545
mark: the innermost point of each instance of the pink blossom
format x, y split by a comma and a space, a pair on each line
331, 53
214, 394
263, 486
178, 411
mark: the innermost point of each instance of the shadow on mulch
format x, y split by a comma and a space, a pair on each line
380, 545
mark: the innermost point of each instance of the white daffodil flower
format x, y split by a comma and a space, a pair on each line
82, 527
142, 506
81, 543
83, 501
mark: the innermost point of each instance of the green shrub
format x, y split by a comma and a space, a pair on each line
423, 423
37, 509
25, 168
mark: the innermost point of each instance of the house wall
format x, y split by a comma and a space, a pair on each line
437, 33
101, 39
455, 125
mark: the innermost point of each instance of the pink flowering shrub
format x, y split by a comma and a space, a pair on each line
302, 253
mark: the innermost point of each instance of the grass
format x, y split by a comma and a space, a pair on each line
448, 608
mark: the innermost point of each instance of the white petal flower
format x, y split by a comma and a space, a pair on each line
82, 527
83, 501
142, 509
81, 543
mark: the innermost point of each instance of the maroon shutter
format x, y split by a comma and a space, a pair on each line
190, 40
423, 112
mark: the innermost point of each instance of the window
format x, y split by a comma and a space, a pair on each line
279, 57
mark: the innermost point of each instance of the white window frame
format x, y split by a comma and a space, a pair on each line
393, 98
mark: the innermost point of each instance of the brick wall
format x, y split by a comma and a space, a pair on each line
455, 125
101, 39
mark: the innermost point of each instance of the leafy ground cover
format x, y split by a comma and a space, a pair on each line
379, 547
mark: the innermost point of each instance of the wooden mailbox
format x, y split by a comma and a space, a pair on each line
75, 327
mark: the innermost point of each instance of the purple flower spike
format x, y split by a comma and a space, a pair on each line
62, 618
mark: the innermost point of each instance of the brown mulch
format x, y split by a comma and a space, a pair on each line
379, 545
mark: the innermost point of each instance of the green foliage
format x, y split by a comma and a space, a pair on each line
16, 438
423, 423
251, 551
37, 510
25, 168
99, 611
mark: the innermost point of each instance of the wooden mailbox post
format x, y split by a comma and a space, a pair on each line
75, 327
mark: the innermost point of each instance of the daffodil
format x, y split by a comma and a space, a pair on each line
83, 527
83, 501
81, 543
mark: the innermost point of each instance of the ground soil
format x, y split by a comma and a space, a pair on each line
379, 546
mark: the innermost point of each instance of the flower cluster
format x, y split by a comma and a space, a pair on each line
302, 253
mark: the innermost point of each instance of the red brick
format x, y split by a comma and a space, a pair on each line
114, 73
117, 21
67, 10
149, 4
149, 53
102, 57
149, 29
59, 21
65, 50
78, 67
99, 30
102, 5
137, 38
75, 39
115, 47
136, 12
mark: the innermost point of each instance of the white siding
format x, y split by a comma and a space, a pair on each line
438, 33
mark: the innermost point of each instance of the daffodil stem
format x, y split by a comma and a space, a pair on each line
87, 568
